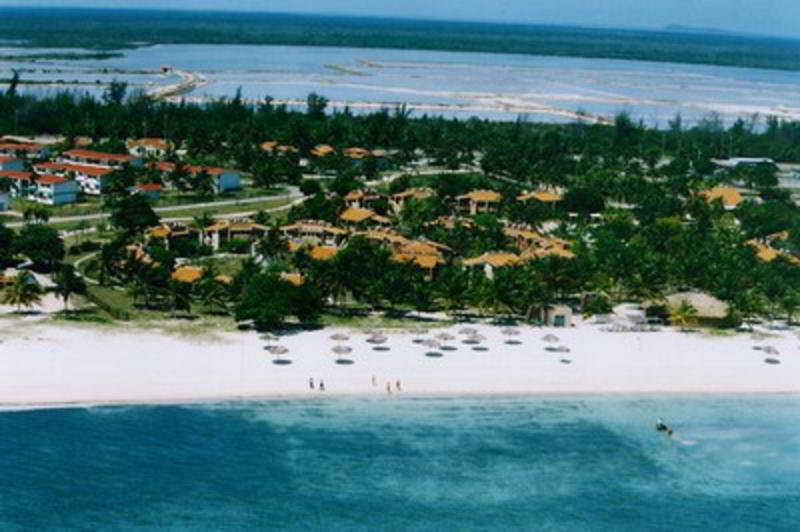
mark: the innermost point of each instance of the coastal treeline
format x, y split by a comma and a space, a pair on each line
118, 29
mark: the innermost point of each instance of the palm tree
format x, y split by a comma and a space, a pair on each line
684, 315
23, 292
68, 283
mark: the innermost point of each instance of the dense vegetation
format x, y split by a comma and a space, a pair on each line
631, 208
114, 29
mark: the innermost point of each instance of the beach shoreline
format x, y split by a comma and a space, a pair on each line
68, 366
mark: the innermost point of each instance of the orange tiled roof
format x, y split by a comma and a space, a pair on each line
356, 215
159, 143
188, 274
323, 252
356, 152
423, 261
497, 259
730, 196
99, 155
482, 195
321, 150
295, 278
543, 196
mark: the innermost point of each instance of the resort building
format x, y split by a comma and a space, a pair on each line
314, 232
730, 197
149, 148
321, 150
169, 232
91, 179
151, 191
54, 190
398, 201
479, 202
28, 150
227, 231
361, 199
11, 163
542, 196
21, 183
99, 159
224, 179
491, 260
557, 316
357, 216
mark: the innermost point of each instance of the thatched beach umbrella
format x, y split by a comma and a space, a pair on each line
446, 337
510, 331
468, 331
552, 338
342, 349
430, 343
279, 350
770, 350
339, 337
377, 339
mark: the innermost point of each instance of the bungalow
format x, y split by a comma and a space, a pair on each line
360, 199
491, 260
541, 196
28, 149
398, 201
149, 147
272, 146
479, 201
98, 158
730, 197
12, 163
54, 190
188, 274
356, 153
321, 150
227, 231
169, 232
315, 232
384, 236
356, 216
427, 255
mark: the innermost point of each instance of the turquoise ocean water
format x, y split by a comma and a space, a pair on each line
513, 463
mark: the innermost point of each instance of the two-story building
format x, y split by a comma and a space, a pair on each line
21, 183
223, 178
29, 150
54, 190
92, 180
98, 158
149, 148
12, 163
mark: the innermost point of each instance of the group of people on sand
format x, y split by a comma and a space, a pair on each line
319, 386
398, 386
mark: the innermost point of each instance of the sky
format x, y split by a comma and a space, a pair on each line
769, 17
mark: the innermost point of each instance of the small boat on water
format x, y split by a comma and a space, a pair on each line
663, 427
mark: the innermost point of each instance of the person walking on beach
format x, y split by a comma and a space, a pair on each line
374, 380
397, 386
321, 385
389, 387
311, 383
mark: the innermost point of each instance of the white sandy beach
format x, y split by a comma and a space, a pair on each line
50, 364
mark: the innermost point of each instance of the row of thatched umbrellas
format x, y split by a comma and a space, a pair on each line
437, 344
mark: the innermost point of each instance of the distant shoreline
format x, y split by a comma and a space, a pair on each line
117, 29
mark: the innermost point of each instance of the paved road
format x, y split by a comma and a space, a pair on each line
292, 195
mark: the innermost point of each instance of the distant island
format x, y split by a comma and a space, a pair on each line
115, 29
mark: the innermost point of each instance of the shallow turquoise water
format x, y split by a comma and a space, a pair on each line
406, 464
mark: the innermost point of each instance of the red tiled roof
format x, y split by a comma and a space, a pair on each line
89, 154
49, 166
149, 187
16, 175
50, 179
88, 170
19, 146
